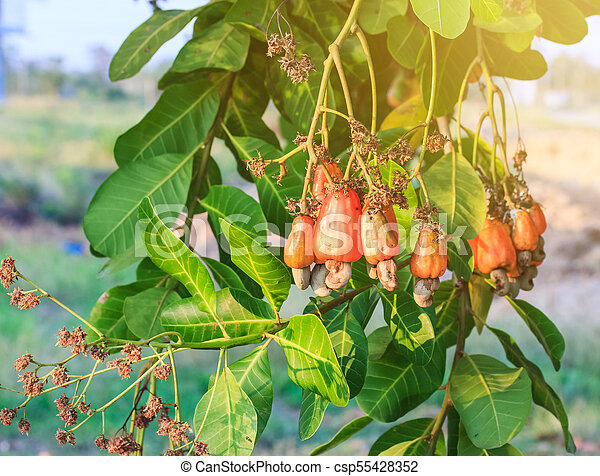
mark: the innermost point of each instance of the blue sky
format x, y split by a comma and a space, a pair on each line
70, 28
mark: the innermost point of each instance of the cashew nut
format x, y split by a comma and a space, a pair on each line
514, 287
339, 273
524, 259
386, 270
301, 277
317, 280
422, 293
526, 278
372, 270
498, 276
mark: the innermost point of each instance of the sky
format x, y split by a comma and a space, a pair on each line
71, 28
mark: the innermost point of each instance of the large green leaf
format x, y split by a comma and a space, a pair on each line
460, 258
454, 186
178, 122
253, 374
542, 393
448, 18
346, 432
171, 255
408, 439
453, 60
493, 400
107, 314
503, 61
511, 23
258, 263
142, 311
363, 306
542, 328
312, 410
467, 448
251, 16
146, 39
404, 39
394, 386
232, 205
220, 46
239, 313
487, 10
224, 276
374, 14
225, 418
445, 303
312, 363
110, 221
273, 196
481, 300
563, 22
412, 329
350, 345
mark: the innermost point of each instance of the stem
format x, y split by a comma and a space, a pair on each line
461, 95
334, 51
365, 46
46, 294
324, 109
175, 384
476, 138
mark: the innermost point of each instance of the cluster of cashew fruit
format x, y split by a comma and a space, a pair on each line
344, 231
428, 263
511, 250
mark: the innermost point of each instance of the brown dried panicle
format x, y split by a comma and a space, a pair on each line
179, 431
152, 408
140, 421
297, 67
201, 449
256, 165
101, 442
283, 171
436, 142
300, 140
28, 301
60, 375
362, 138
179, 452
400, 181
22, 362
425, 213
77, 340
7, 271
401, 152
69, 415
85, 408
98, 353
123, 367
383, 197
292, 206
62, 403
15, 296
277, 44
65, 436
123, 444
64, 337
24, 426
7, 415
520, 158
165, 424
132, 352
31, 384
162, 372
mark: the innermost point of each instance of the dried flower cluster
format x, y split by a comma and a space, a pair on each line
31, 384
162, 372
101, 442
123, 444
65, 436
176, 430
23, 300
60, 375
123, 367
66, 412
300, 140
132, 352
23, 426
383, 197
401, 152
98, 353
436, 142
425, 213
362, 138
22, 362
7, 415
7, 271
75, 338
256, 165
296, 66
201, 449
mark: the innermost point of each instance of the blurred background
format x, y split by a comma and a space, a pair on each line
60, 116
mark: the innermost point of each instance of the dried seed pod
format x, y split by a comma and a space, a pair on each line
423, 293
500, 280
317, 280
340, 273
526, 278
372, 271
514, 287
386, 270
301, 277
523, 259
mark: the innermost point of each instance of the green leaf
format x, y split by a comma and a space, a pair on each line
563, 22
493, 400
253, 374
363, 306
542, 328
488, 10
460, 258
408, 439
259, 263
455, 187
448, 18
527, 65
404, 39
178, 123
223, 274
171, 255
518, 42
146, 39
394, 386
107, 314
312, 363
378, 342
453, 60
374, 14
481, 300
111, 219
251, 16
239, 313
142, 311
273, 196
225, 418
148, 270
508, 23
350, 345
467, 448
233, 206
312, 410
412, 329
346, 432
542, 393
445, 303
403, 216
220, 46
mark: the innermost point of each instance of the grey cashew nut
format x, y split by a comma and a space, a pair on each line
301, 277
386, 270
500, 280
372, 270
523, 259
317, 280
339, 273
423, 292
526, 278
